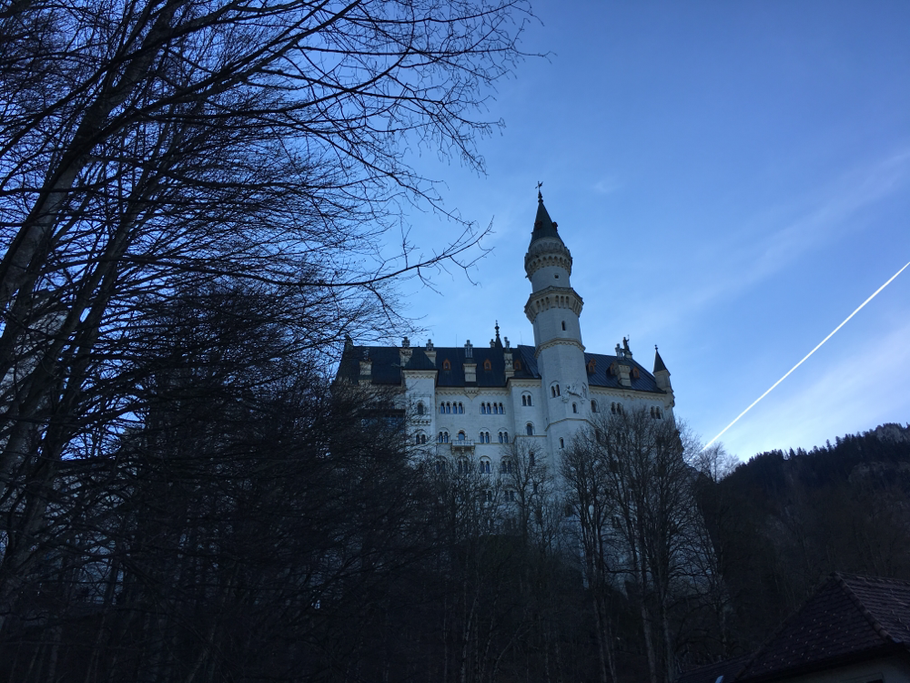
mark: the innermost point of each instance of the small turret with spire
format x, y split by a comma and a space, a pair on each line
661, 374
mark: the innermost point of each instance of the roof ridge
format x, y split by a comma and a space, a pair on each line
858, 603
779, 630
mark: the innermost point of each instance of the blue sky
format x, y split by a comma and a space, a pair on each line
733, 180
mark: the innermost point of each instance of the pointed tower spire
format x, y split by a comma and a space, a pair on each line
661, 374
659, 362
543, 224
498, 341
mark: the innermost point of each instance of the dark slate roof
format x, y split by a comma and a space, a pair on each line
659, 362
850, 618
543, 225
386, 368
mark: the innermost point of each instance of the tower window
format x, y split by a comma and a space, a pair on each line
562, 443
529, 428
487, 365
517, 365
485, 466
461, 408
526, 399
593, 406
446, 365
563, 325
574, 407
506, 466
420, 409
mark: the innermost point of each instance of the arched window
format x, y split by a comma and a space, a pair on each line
562, 443
517, 365
593, 406
460, 408
574, 407
505, 437
488, 497
506, 466
526, 399
446, 365
529, 428
443, 437
485, 467
463, 466
448, 408
563, 325
613, 408
502, 410
487, 365
442, 408
420, 409
510, 495
500, 438
461, 436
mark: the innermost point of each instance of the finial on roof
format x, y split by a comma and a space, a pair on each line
498, 340
539, 195
468, 349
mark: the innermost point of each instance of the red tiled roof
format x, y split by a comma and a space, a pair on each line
848, 619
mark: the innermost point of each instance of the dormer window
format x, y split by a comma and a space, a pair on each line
487, 365
446, 365
517, 365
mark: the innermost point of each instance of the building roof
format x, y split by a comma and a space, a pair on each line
659, 362
849, 619
386, 366
543, 225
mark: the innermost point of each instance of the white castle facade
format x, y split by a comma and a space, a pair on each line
474, 403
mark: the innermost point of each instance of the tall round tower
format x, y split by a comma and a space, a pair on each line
554, 309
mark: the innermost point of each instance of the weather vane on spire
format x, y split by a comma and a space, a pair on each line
539, 185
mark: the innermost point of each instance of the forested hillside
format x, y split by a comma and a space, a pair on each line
783, 521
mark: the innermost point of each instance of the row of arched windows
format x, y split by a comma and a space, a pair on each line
443, 437
447, 408
492, 409
656, 412
554, 390
616, 408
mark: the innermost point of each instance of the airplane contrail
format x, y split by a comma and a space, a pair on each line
846, 320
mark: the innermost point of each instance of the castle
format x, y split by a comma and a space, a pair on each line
469, 402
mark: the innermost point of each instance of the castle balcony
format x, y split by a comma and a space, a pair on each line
462, 446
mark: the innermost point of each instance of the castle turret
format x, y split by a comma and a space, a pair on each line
661, 374
554, 309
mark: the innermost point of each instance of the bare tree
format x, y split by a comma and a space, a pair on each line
633, 493
156, 147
